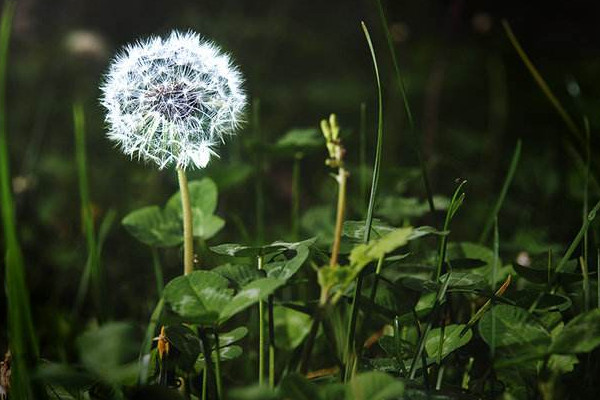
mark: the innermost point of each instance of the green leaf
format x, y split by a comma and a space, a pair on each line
397, 209
203, 196
186, 342
580, 335
225, 354
291, 327
374, 386
452, 340
256, 392
297, 387
150, 226
249, 295
240, 250
239, 274
514, 327
110, 352
466, 263
233, 336
356, 229
463, 281
363, 254
198, 297
206, 225
299, 139
284, 270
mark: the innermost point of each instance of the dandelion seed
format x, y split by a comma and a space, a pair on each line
172, 101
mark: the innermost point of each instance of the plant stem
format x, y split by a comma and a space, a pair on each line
376, 282
188, 229
218, 366
342, 178
204, 382
208, 364
271, 343
158, 273
261, 333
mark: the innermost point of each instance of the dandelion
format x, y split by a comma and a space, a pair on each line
171, 102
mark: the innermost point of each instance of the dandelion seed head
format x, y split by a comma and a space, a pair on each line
172, 101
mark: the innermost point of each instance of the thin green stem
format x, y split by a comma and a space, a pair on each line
208, 363
218, 378
341, 179
271, 343
455, 203
158, 272
507, 181
261, 332
204, 382
494, 273
188, 229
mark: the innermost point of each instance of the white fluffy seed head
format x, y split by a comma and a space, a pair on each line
171, 101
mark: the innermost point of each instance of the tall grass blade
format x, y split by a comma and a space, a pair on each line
91, 273
584, 227
349, 351
507, 181
542, 84
21, 334
409, 115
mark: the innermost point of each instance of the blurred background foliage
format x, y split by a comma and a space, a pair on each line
471, 95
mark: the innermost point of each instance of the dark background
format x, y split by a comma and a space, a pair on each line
471, 95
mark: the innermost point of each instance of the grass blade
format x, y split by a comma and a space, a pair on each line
91, 273
542, 83
21, 334
409, 115
507, 181
350, 345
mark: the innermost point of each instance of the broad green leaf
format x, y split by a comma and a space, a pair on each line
397, 209
152, 227
110, 352
374, 386
452, 340
206, 225
240, 250
237, 334
580, 335
465, 263
299, 139
250, 294
363, 254
203, 196
256, 392
227, 353
284, 270
239, 274
464, 281
185, 340
296, 387
198, 297
291, 327
356, 229
514, 327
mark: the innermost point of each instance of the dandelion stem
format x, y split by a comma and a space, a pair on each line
188, 231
